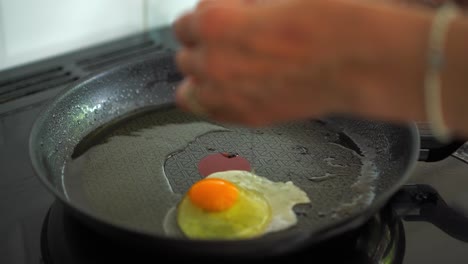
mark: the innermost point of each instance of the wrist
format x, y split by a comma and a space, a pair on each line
388, 62
454, 79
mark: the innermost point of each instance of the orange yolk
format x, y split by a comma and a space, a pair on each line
213, 194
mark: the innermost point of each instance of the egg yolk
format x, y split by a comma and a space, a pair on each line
215, 208
213, 195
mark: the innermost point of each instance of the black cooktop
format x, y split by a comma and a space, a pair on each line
35, 229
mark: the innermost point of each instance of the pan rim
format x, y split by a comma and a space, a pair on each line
356, 220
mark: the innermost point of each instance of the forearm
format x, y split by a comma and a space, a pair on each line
392, 85
455, 77
388, 72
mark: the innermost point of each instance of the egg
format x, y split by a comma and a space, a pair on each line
238, 204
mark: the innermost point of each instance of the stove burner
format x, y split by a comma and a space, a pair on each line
66, 240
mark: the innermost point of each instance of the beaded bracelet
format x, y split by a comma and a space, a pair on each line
436, 62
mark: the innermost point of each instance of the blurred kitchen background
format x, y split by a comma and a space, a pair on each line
31, 30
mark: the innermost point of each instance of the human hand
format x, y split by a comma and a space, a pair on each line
259, 64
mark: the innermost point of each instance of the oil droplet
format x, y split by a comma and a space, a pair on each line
327, 176
330, 162
229, 155
302, 150
321, 214
301, 213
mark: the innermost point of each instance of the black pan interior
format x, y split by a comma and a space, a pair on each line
98, 151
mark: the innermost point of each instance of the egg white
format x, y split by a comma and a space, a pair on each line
282, 196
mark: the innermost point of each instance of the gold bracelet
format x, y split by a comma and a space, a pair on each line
436, 61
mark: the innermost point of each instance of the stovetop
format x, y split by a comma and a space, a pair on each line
25, 203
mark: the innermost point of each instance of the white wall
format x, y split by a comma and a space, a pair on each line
2, 39
34, 29
165, 11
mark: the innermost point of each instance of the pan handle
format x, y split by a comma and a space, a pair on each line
423, 203
433, 150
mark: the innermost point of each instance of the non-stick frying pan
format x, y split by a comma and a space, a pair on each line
117, 152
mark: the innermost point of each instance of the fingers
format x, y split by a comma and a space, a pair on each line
210, 102
212, 21
210, 36
184, 31
200, 99
186, 98
185, 27
190, 63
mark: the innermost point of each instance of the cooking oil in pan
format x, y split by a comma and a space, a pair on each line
134, 172
327, 176
119, 173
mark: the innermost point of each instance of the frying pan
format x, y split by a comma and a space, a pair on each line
115, 150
